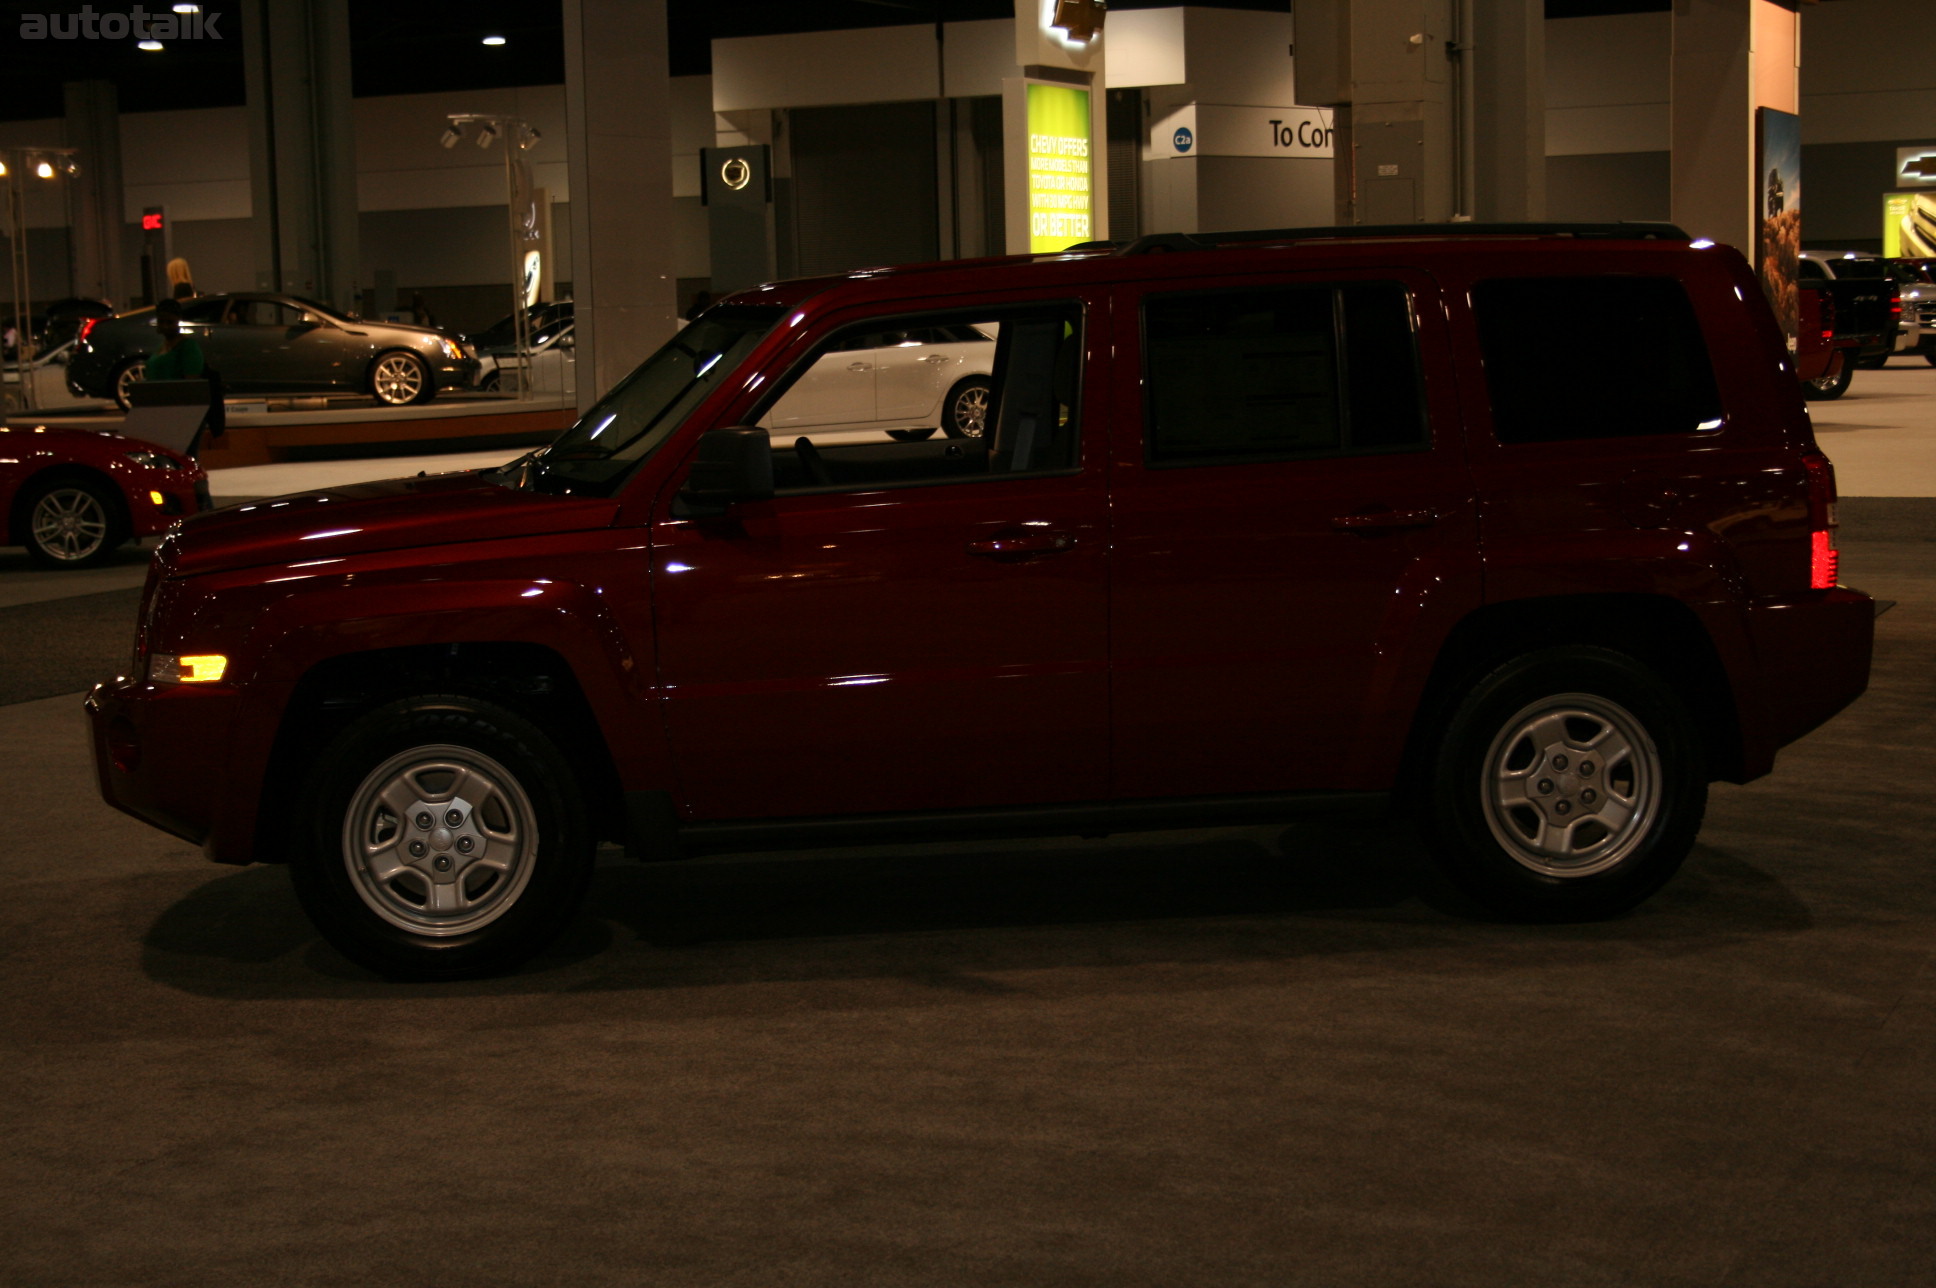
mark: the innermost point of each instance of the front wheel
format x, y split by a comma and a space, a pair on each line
442, 838
74, 523
1569, 785
964, 413
399, 379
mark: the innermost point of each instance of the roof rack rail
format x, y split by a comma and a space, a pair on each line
1211, 241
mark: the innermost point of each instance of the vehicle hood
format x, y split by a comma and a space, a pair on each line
395, 330
363, 518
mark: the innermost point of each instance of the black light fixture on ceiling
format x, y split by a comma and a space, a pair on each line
486, 133
451, 136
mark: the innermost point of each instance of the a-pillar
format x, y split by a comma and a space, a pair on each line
1730, 57
302, 147
93, 129
617, 111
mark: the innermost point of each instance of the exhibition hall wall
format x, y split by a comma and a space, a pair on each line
432, 220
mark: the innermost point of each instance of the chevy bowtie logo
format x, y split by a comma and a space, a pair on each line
1082, 19
1922, 167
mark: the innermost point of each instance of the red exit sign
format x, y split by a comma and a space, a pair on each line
151, 222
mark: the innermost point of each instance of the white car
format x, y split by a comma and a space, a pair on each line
550, 368
905, 384
47, 382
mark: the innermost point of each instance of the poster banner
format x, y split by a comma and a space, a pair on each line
1778, 163
1059, 174
1909, 225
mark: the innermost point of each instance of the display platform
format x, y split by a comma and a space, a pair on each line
305, 428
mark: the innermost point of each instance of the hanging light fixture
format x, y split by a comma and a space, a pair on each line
451, 136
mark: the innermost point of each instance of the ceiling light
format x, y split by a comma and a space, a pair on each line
451, 136
485, 135
188, 8
45, 169
3, 169
152, 46
493, 40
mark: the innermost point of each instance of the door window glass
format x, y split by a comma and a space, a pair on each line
1272, 374
1593, 357
930, 399
204, 310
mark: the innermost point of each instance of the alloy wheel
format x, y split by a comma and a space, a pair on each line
1572, 785
970, 411
399, 379
70, 524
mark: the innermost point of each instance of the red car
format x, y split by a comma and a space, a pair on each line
1260, 524
73, 497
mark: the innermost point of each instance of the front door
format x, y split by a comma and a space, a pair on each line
904, 626
1293, 520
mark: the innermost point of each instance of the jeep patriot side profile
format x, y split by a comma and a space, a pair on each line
1259, 523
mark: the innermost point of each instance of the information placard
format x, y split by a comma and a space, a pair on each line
1060, 191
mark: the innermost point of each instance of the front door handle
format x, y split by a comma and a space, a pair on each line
1021, 545
859, 366
1384, 520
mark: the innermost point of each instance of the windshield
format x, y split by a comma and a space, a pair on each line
628, 424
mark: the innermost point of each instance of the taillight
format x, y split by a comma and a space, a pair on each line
1822, 558
87, 324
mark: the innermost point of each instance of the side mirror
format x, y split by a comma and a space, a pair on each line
731, 465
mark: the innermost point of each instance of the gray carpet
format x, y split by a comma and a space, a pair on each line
65, 645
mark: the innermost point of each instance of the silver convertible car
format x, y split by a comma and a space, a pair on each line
277, 344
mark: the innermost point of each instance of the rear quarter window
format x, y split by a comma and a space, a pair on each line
1593, 357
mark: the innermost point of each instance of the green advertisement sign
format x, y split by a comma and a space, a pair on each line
1059, 190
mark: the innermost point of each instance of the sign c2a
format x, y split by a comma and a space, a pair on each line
1183, 138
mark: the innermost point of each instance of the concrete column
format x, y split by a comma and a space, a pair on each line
94, 128
302, 147
1730, 57
1504, 109
618, 114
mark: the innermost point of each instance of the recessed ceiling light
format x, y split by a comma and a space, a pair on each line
493, 40
152, 46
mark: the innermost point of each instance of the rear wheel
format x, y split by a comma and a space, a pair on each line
1825, 388
127, 375
73, 523
1569, 785
441, 838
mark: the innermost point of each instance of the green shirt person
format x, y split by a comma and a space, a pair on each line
181, 355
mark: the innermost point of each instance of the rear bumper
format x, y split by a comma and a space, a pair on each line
1814, 649
161, 753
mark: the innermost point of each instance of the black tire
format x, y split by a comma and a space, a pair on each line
399, 377
964, 412
1519, 815
1928, 349
1830, 387
72, 522
130, 372
513, 887
911, 435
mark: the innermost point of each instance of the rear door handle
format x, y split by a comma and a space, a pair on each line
1022, 544
1382, 520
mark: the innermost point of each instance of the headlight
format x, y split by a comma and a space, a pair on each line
453, 351
154, 460
187, 668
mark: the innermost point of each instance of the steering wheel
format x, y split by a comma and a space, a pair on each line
810, 461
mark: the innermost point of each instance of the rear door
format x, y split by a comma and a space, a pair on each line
1293, 530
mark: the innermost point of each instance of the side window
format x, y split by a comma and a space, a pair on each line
1593, 357
929, 399
1274, 374
204, 310
1810, 271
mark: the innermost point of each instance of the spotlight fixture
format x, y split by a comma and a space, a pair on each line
44, 169
494, 41
486, 134
150, 46
527, 137
188, 8
71, 166
451, 137
3, 169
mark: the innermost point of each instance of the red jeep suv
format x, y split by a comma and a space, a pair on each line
1258, 523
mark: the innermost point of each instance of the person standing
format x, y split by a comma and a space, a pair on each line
181, 355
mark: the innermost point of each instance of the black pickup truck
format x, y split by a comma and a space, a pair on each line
1867, 311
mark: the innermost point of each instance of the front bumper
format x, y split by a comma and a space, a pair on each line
161, 753
460, 373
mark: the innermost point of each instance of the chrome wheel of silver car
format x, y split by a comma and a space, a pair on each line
69, 524
1572, 785
966, 414
398, 379
439, 840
